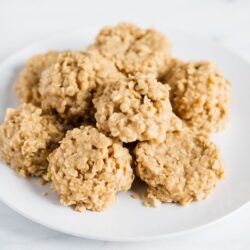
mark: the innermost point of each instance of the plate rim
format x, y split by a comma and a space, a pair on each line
124, 239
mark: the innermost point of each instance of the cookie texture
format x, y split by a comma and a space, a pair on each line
175, 124
66, 87
88, 169
136, 108
173, 65
183, 168
27, 137
26, 86
134, 50
200, 96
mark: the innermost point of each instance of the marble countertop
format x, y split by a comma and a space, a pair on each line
24, 22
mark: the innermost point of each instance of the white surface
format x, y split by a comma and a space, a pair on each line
118, 223
22, 22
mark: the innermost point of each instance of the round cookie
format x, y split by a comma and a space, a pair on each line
114, 41
134, 50
27, 137
66, 87
136, 108
26, 86
200, 96
88, 169
183, 168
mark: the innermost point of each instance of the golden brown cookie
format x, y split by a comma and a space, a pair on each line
26, 86
183, 168
200, 96
136, 108
27, 137
88, 169
66, 87
134, 50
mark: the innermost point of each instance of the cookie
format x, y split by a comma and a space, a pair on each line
134, 50
200, 96
88, 169
183, 168
136, 108
66, 87
27, 137
26, 87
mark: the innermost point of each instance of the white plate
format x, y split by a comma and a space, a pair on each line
128, 219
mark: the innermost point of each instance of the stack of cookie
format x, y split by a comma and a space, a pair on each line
81, 110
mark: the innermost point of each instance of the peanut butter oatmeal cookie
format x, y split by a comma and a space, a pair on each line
183, 168
26, 86
136, 108
66, 87
88, 169
27, 137
134, 50
200, 96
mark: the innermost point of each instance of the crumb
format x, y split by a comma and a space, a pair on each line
135, 196
44, 193
42, 181
151, 202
